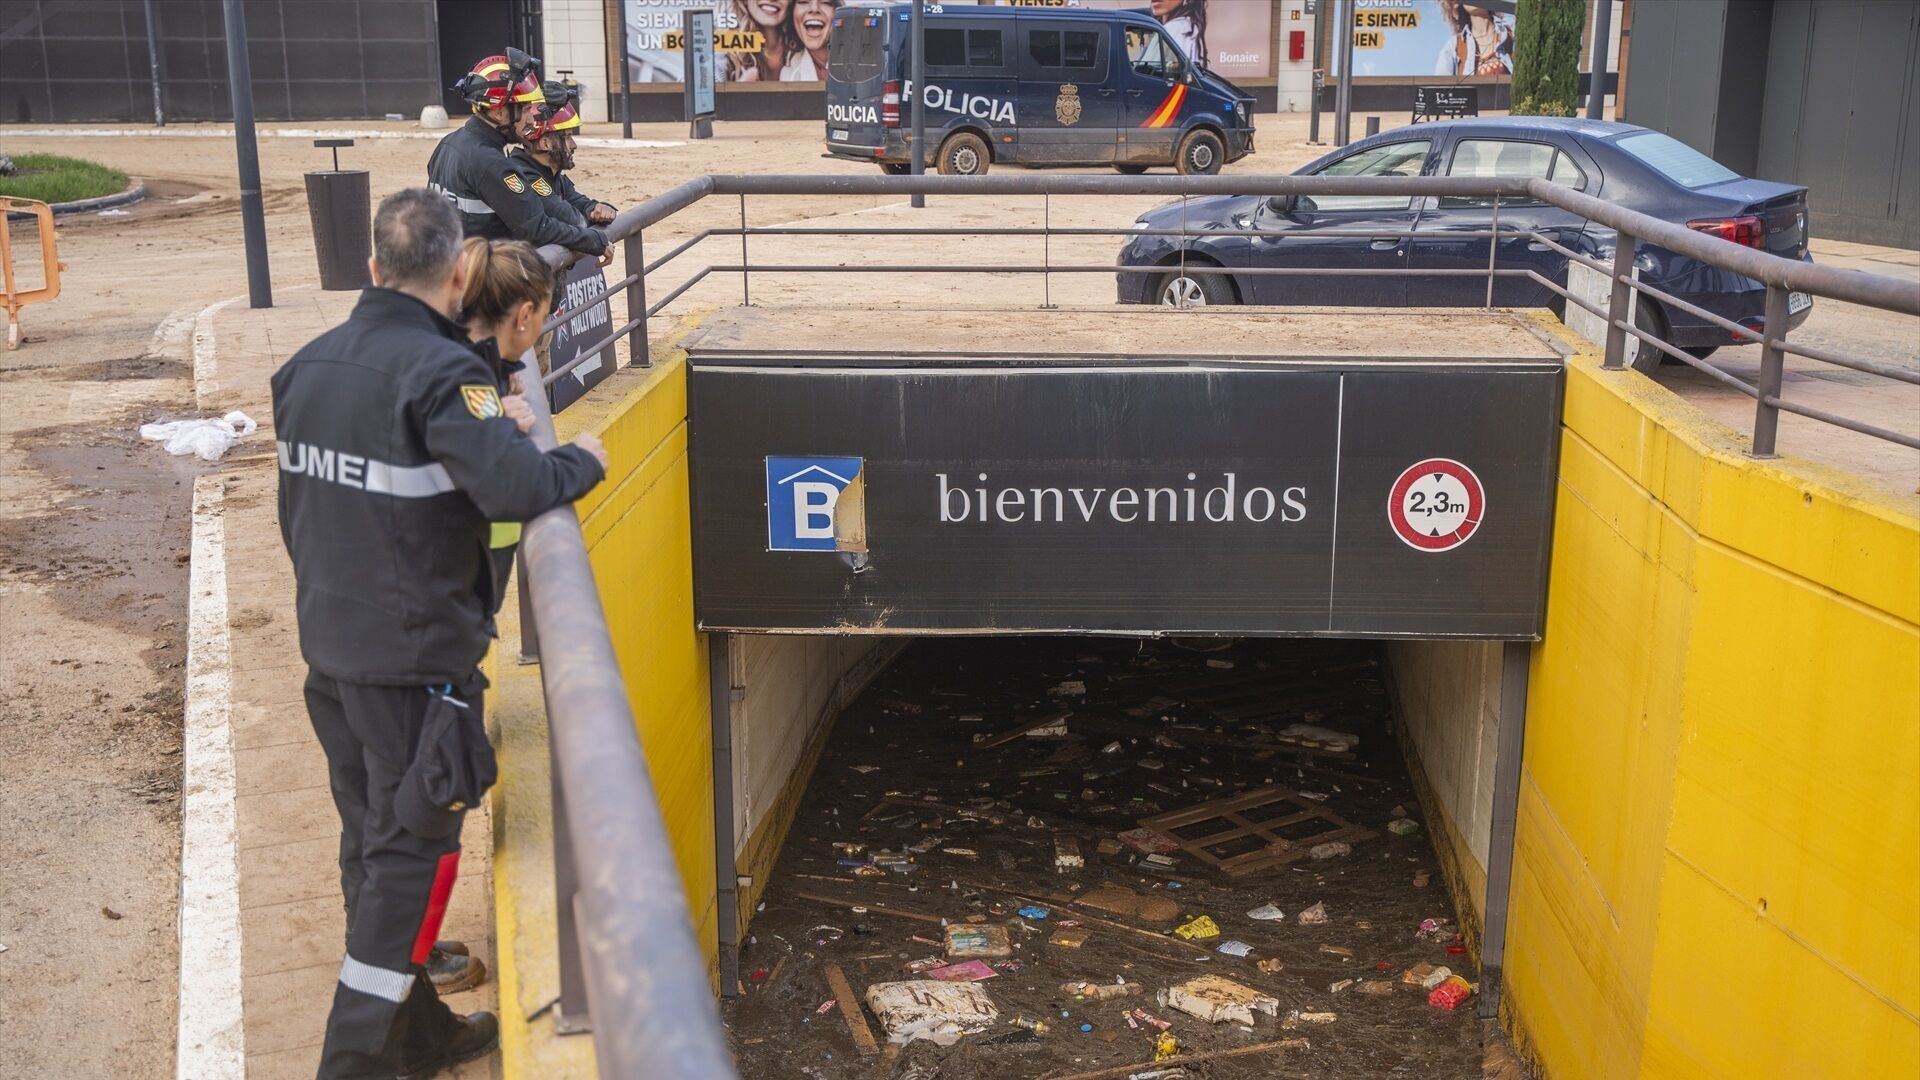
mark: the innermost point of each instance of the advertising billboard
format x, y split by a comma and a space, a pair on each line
754, 40
1444, 38
787, 40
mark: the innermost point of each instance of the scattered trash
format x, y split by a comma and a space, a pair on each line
1228, 825
208, 439
1271, 967
1330, 850
1403, 826
1146, 1017
1233, 948
1109, 846
1448, 995
1340, 985
1433, 930
1148, 841
1166, 862
1121, 900
968, 971
1068, 939
1421, 877
1338, 742
1066, 854
825, 1007
1426, 976
1267, 912
1202, 927
1033, 911
1111, 748
112, 212
1314, 916
864, 769
1094, 991
850, 1009
1035, 1026
111, 914
1316, 1017
1377, 987
1070, 688
1165, 1046
939, 1012
1151, 764
1214, 999
1337, 950
978, 941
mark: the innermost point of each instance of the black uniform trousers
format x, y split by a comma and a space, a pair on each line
386, 1017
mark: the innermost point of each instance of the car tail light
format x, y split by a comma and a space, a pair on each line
1746, 229
890, 104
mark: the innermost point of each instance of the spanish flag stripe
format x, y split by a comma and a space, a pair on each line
1168, 108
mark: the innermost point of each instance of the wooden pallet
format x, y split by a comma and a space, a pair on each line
1255, 830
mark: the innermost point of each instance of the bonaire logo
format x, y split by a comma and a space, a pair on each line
816, 504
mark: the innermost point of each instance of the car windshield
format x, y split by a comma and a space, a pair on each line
1675, 160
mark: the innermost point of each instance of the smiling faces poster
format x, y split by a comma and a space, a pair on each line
1442, 38
754, 40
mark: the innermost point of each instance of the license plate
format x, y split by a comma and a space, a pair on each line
842, 135
1798, 302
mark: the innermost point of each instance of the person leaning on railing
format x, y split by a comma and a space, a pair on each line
395, 453
508, 295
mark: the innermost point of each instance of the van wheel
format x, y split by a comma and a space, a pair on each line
1184, 290
1201, 154
896, 168
1641, 356
1131, 170
965, 154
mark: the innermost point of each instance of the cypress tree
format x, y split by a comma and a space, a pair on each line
1546, 56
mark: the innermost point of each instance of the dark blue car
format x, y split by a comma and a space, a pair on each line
1621, 163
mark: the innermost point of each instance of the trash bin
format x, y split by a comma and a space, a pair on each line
339, 204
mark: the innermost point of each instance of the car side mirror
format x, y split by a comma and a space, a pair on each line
1281, 204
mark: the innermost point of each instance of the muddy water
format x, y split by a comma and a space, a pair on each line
918, 725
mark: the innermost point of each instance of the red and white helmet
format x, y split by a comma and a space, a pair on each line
498, 80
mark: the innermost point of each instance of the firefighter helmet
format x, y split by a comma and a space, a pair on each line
498, 80
560, 113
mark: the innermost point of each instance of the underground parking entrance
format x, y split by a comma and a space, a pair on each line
1076, 708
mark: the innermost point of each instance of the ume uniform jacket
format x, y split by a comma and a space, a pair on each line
471, 168
395, 454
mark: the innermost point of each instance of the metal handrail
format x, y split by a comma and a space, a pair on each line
645, 976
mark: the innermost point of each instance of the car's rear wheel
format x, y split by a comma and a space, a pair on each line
1201, 154
963, 154
1131, 170
1641, 356
1186, 289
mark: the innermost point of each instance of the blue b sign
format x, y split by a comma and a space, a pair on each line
803, 496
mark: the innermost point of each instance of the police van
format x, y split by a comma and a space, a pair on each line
1028, 86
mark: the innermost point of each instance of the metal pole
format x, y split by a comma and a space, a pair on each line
1597, 66
626, 80
1493, 248
1509, 744
572, 1014
156, 64
1315, 75
1766, 416
253, 214
726, 876
746, 295
632, 248
917, 30
1343, 100
1620, 303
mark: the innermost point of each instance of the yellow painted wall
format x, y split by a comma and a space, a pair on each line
1718, 855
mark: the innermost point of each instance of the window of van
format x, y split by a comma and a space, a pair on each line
961, 49
1076, 50
1149, 53
854, 51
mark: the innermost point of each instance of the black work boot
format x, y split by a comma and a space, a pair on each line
451, 970
479, 1034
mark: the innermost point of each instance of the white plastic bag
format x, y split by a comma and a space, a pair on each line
206, 439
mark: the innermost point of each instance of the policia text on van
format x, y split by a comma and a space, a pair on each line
1061, 86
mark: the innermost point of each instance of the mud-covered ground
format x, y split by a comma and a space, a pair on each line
912, 737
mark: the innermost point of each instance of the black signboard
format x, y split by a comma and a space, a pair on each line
1407, 499
584, 282
1445, 102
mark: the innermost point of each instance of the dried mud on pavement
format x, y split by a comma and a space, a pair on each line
930, 827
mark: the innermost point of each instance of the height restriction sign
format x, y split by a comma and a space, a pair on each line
1436, 505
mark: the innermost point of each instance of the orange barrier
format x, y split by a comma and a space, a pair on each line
14, 298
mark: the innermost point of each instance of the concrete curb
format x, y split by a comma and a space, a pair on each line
134, 194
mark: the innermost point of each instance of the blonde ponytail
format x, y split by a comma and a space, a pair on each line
501, 275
